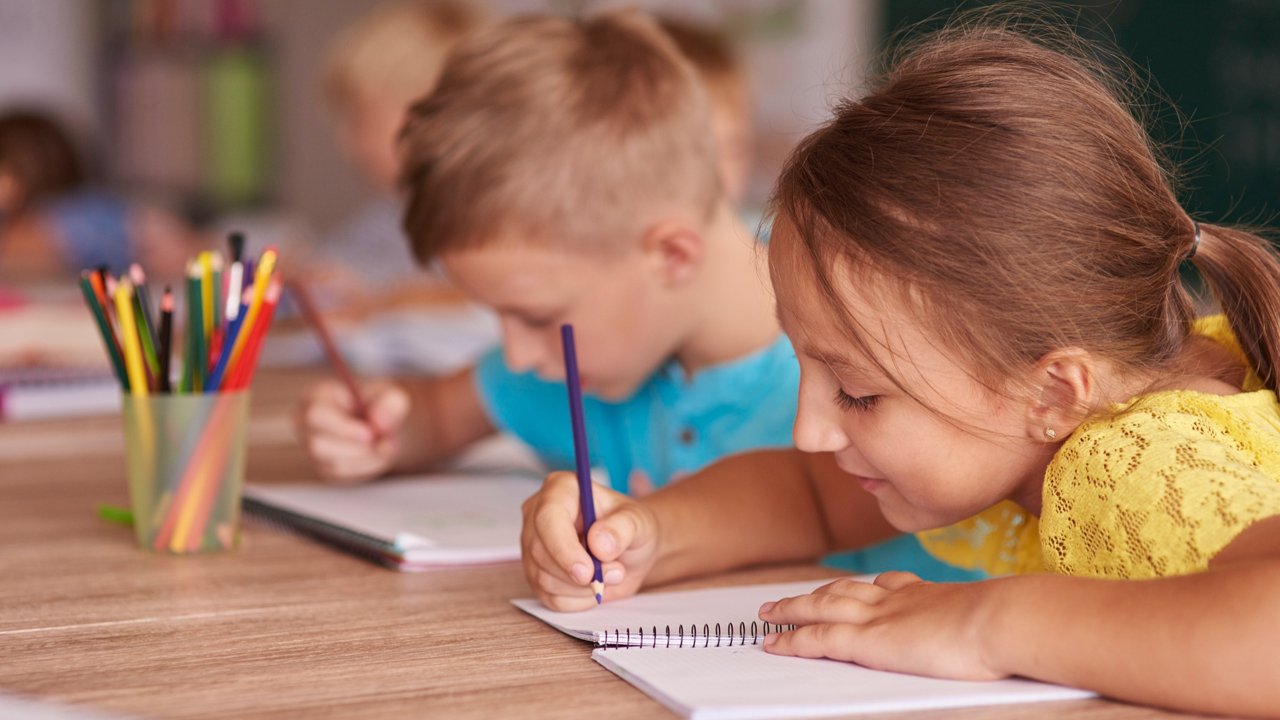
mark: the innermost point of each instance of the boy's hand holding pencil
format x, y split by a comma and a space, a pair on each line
353, 442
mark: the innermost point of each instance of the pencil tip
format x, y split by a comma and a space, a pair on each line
599, 599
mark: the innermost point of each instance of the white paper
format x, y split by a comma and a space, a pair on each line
747, 682
433, 519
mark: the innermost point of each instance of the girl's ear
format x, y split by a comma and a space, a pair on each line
1064, 390
674, 250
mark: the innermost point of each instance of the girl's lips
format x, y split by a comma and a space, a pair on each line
870, 484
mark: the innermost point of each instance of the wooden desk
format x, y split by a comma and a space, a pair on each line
285, 627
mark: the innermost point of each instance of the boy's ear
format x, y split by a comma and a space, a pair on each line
674, 250
1064, 388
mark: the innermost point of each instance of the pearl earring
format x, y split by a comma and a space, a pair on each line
1050, 433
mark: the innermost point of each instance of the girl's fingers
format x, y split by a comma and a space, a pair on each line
835, 641
551, 521
819, 608
897, 580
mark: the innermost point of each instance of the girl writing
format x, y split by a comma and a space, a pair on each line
978, 264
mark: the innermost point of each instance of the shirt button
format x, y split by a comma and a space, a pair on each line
687, 436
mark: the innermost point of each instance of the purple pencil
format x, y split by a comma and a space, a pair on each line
581, 457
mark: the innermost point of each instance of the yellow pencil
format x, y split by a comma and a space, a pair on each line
206, 292
261, 277
129, 336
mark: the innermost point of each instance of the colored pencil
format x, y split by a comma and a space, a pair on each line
235, 280
218, 376
308, 308
582, 458
166, 339
91, 296
150, 343
206, 293
129, 334
266, 265
196, 327
244, 370
150, 363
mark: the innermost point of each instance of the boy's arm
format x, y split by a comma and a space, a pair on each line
445, 416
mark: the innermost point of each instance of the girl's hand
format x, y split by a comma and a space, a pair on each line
898, 623
559, 570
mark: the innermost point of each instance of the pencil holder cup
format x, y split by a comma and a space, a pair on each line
185, 455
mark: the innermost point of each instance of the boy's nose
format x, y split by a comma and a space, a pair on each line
521, 351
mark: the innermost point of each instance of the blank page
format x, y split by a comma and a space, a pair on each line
747, 682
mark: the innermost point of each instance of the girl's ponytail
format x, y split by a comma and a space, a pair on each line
1243, 273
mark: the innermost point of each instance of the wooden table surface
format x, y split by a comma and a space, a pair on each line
283, 627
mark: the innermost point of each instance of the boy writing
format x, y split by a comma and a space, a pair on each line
565, 171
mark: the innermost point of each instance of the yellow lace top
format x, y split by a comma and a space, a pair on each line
1155, 488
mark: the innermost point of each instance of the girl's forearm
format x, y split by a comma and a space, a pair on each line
1202, 643
766, 506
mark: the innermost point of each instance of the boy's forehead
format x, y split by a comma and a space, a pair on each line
515, 273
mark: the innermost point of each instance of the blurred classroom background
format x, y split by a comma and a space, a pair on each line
212, 113
215, 106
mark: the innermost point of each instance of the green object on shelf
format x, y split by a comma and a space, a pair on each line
237, 152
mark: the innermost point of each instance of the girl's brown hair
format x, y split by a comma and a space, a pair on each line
1000, 175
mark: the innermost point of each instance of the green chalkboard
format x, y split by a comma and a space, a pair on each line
1218, 61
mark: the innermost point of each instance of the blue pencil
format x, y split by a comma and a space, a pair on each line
581, 457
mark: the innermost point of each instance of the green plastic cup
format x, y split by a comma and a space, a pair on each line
185, 455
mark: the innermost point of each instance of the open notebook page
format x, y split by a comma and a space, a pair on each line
746, 682
694, 609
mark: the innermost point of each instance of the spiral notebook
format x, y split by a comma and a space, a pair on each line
410, 524
698, 653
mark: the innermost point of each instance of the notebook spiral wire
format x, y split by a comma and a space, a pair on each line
753, 634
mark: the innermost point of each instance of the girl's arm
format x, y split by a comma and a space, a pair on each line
1204, 642
757, 507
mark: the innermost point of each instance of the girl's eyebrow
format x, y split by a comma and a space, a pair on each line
837, 363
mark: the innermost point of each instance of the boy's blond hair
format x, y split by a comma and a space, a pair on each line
572, 133
716, 60
395, 53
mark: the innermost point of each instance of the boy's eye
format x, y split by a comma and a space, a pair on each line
848, 402
538, 322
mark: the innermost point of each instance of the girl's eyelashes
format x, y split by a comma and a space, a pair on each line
848, 402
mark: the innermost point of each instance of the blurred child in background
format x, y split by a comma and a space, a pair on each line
728, 85
376, 68
54, 223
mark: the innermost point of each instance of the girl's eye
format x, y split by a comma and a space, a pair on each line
848, 402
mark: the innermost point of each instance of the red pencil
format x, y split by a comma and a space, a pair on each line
242, 376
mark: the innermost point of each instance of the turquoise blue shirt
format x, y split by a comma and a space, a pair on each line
672, 426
